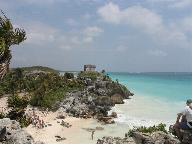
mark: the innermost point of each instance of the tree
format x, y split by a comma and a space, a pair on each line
8, 36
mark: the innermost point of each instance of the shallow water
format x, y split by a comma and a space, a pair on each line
158, 97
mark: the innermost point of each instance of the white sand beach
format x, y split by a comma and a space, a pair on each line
76, 134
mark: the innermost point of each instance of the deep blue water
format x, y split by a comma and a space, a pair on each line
171, 87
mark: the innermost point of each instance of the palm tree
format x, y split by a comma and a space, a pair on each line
8, 36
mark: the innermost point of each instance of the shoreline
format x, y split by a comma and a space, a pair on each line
78, 133
147, 111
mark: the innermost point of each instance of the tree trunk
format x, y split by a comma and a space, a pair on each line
4, 66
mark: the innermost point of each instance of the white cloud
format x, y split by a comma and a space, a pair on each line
39, 33
136, 16
42, 35
79, 39
146, 21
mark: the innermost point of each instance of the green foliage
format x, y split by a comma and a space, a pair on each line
47, 99
69, 75
18, 114
48, 89
24, 121
2, 115
8, 36
44, 88
151, 129
17, 102
92, 75
13, 82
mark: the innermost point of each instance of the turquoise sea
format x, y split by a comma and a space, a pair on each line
158, 97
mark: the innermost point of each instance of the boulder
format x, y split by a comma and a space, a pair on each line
142, 138
107, 120
100, 84
12, 133
61, 113
117, 99
158, 137
187, 137
113, 114
162, 138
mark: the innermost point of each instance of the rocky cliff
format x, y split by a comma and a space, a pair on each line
12, 133
99, 95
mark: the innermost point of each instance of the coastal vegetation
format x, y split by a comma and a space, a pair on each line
8, 36
38, 87
89, 94
89, 74
160, 127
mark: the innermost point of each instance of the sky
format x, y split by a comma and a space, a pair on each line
115, 35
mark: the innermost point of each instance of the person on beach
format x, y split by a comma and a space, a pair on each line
186, 122
92, 134
183, 119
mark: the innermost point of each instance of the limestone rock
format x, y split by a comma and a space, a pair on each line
12, 133
187, 137
117, 99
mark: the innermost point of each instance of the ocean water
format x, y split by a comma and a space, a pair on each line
158, 97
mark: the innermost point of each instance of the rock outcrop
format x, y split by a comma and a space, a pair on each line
141, 138
11, 133
96, 99
187, 137
154, 138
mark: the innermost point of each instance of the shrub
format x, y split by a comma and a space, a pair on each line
48, 99
18, 114
69, 75
17, 101
92, 75
24, 121
151, 129
2, 115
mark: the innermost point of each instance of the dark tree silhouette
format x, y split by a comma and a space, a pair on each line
8, 36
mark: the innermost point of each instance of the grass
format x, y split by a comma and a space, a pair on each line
151, 129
